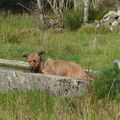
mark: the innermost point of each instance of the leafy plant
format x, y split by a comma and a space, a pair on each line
73, 19
108, 85
104, 7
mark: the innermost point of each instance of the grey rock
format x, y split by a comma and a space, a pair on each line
118, 20
11, 80
111, 14
115, 23
110, 20
106, 19
117, 63
118, 13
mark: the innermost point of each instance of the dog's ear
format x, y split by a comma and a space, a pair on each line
25, 54
42, 55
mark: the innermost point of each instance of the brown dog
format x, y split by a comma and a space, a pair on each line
39, 64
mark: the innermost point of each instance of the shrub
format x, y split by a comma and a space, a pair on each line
108, 84
104, 7
73, 19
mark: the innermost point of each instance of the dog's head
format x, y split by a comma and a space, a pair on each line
35, 60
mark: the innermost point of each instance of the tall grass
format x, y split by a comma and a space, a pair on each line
33, 105
91, 48
108, 84
73, 19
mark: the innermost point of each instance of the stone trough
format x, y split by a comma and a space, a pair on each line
12, 79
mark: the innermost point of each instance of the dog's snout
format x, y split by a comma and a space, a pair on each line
31, 69
34, 70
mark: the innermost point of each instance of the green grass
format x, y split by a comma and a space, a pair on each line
91, 48
108, 84
34, 105
73, 19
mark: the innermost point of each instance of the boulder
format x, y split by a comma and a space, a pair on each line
117, 63
111, 14
118, 13
110, 20
114, 25
12, 80
118, 20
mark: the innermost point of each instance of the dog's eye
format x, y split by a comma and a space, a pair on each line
34, 60
29, 61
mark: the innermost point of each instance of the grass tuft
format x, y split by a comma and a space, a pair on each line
73, 19
108, 84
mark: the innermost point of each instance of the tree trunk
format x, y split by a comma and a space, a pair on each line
41, 12
61, 8
95, 4
11, 80
57, 7
54, 7
86, 10
77, 4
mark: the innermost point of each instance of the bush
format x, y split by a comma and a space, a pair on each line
108, 85
104, 7
73, 19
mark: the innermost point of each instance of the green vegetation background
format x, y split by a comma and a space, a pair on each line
89, 47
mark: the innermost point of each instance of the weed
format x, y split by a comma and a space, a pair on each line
108, 84
73, 19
